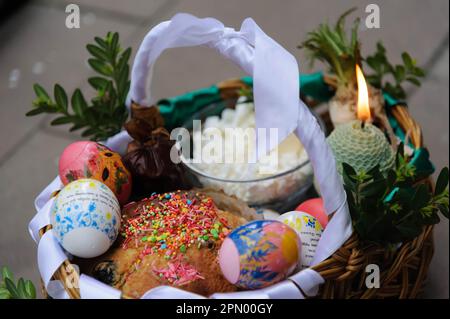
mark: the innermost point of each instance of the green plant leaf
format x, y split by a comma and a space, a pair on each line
98, 83
349, 171
442, 181
115, 42
408, 61
105, 114
4, 293
21, 289
97, 52
60, 97
40, 92
100, 67
6, 273
12, 288
409, 231
400, 73
418, 72
76, 127
102, 43
61, 120
35, 111
421, 197
30, 290
414, 81
374, 189
78, 103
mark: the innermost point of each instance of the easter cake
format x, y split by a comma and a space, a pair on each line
170, 239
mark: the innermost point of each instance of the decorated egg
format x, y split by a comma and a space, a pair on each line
308, 229
315, 207
85, 159
259, 254
86, 218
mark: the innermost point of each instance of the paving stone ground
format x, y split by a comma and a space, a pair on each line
37, 47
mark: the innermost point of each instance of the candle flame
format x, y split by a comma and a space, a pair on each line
363, 109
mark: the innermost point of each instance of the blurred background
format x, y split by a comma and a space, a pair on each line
36, 46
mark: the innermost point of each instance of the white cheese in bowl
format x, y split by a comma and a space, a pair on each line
241, 175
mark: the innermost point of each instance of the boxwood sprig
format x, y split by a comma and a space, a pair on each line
106, 113
23, 289
394, 208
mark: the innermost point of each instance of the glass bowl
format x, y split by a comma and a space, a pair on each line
280, 192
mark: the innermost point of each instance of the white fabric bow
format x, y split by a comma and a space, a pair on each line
277, 105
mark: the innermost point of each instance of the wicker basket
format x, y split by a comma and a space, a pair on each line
402, 271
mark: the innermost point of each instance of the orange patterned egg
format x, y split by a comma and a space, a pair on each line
85, 159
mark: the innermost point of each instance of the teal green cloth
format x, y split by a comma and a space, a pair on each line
176, 110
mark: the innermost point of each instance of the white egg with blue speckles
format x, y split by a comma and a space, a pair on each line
86, 218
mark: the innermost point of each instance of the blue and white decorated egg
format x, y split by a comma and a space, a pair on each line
86, 218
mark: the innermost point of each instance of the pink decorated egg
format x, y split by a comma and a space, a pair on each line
259, 254
86, 159
315, 208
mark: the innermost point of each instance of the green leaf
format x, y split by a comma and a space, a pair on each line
409, 231
408, 61
380, 48
30, 290
124, 57
349, 171
40, 92
115, 42
4, 293
97, 52
12, 289
78, 103
421, 197
98, 83
21, 289
442, 181
400, 73
414, 81
101, 42
418, 72
76, 127
100, 67
62, 120
374, 189
6, 273
35, 111
89, 132
60, 97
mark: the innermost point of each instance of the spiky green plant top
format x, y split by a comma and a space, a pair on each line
363, 147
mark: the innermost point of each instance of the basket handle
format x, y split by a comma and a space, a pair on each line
276, 85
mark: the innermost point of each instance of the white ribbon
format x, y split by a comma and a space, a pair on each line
91, 288
166, 292
277, 105
50, 256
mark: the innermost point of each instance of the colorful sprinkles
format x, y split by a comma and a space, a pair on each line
168, 224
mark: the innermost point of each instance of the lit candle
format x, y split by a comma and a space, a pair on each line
360, 143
